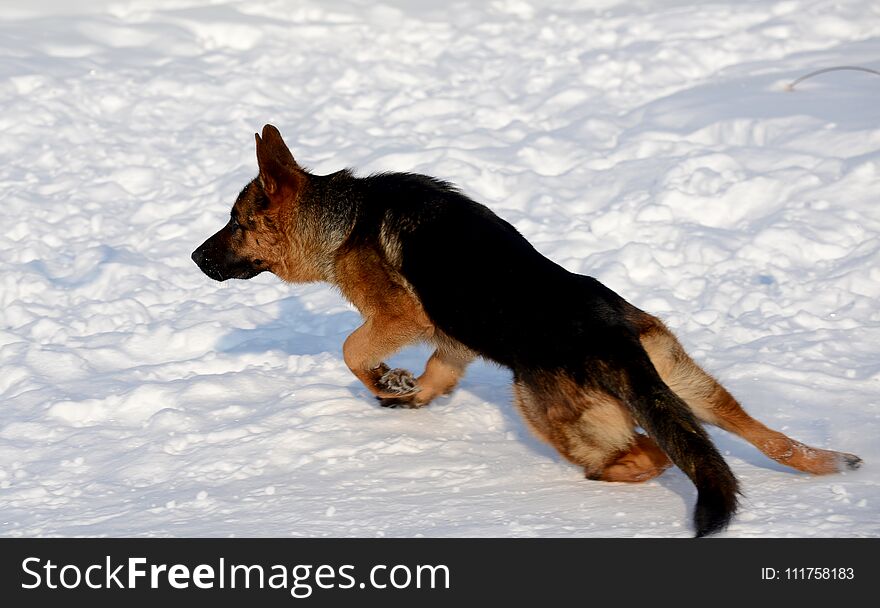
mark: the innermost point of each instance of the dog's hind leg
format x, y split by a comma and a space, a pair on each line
642, 461
595, 429
712, 403
590, 428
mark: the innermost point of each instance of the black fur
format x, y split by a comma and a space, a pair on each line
485, 285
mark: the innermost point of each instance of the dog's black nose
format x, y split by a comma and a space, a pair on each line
198, 257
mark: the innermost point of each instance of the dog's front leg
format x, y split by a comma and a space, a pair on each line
379, 337
442, 373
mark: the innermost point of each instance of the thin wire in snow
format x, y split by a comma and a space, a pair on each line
790, 87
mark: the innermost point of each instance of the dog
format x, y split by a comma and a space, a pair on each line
423, 262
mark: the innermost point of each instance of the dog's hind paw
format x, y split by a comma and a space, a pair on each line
851, 461
398, 381
406, 403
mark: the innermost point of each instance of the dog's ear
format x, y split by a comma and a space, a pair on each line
278, 169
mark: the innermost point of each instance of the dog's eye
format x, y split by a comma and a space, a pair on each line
233, 223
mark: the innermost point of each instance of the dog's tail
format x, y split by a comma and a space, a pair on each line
672, 425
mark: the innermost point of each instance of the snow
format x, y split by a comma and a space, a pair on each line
650, 144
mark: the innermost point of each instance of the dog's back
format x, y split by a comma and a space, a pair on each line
483, 282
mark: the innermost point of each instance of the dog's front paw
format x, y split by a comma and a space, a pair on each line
398, 382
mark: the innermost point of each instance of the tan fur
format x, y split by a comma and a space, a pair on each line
275, 235
532, 412
391, 246
713, 404
393, 317
643, 460
443, 370
589, 427
697, 388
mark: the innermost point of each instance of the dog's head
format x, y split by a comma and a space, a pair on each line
256, 237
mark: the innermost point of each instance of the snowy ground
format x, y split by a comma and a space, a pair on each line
649, 144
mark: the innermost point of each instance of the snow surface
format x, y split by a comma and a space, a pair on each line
649, 144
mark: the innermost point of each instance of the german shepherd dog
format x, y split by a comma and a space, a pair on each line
423, 262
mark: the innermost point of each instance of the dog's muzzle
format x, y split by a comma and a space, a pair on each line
228, 267
208, 266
